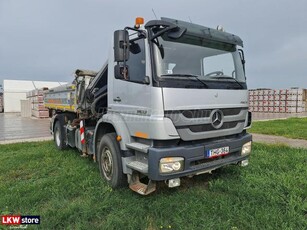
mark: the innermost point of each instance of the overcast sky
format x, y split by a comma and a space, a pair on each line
49, 39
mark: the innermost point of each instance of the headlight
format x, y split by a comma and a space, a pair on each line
171, 164
246, 148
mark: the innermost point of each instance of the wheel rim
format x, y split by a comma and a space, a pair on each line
107, 163
57, 137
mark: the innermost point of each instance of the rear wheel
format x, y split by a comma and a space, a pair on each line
58, 136
109, 159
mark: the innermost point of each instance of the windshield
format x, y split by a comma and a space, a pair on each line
213, 66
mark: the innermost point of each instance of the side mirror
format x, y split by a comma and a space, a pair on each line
135, 48
121, 45
146, 80
121, 72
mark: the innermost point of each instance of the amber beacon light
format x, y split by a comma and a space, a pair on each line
138, 22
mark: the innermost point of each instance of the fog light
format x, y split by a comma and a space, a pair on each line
174, 183
246, 148
171, 164
244, 163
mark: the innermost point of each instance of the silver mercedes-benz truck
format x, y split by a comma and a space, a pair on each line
171, 101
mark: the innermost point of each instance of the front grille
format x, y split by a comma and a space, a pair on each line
196, 113
199, 113
197, 124
209, 127
231, 112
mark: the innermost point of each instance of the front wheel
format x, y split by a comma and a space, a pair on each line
109, 159
58, 136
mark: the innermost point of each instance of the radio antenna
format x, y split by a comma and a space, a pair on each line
190, 19
154, 13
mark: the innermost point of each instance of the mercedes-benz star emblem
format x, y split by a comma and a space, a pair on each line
216, 118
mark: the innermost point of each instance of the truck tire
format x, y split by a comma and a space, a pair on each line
58, 136
110, 164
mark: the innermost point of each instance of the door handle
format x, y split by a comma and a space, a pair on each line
117, 99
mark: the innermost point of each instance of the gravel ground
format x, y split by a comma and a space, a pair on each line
15, 127
268, 139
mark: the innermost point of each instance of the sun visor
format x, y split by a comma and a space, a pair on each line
195, 30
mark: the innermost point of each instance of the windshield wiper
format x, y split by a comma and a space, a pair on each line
186, 75
230, 78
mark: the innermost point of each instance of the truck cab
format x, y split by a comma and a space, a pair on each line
171, 101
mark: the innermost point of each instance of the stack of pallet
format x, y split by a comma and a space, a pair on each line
1, 102
292, 100
36, 98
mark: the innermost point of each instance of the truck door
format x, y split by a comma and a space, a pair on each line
130, 94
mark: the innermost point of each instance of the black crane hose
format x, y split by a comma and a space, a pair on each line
93, 105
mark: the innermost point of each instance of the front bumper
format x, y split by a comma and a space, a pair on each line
194, 156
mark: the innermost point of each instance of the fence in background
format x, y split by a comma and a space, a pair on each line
292, 100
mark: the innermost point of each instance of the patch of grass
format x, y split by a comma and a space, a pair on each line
68, 193
292, 128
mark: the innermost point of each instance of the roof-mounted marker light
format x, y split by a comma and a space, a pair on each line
220, 28
138, 22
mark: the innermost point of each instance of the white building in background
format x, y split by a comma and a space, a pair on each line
15, 90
